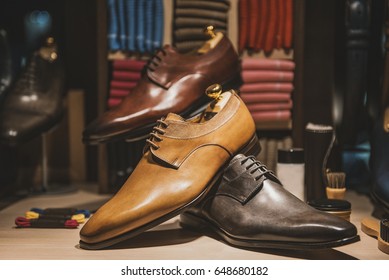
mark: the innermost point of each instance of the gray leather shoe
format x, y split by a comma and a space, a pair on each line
251, 209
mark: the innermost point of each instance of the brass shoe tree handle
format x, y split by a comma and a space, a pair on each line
212, 42
214, 91
210, 31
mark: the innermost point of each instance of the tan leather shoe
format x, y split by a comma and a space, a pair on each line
181, 163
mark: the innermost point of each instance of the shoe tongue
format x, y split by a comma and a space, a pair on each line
174, 117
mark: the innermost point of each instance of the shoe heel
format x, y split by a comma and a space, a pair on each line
252, 148
191, 222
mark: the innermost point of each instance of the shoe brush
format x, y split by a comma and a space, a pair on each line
378, 229
336, 188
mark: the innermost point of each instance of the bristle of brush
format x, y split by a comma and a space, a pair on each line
336, 180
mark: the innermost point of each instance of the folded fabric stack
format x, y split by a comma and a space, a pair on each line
135, 25
265, 25
267, 88
125, 75
191, 17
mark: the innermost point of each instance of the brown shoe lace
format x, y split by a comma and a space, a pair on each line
154, 61
158, 130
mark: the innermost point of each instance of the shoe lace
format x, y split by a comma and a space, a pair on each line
257, 166
155, 60
158, 130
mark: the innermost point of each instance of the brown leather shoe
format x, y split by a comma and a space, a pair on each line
172, 83
181, 163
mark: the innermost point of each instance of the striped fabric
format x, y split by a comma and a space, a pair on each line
135, 26
191, 17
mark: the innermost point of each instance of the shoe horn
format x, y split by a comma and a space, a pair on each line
378, 229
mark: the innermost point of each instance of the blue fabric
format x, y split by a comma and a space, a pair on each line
113, 28
122, 24
149, 25
140, 31
158, 24
131, 24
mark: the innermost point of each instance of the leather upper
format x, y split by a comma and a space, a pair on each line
251, 204
171, 82
35, 102
179, 164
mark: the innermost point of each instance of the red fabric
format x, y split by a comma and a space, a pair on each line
263, 23
271, 27
128, 64
281, 24
253, 22
243, 24
267, 64
119, 75
279, 115
119, 93
250, 98
266, 87
122, 85
252, 76
288, 24
270, 106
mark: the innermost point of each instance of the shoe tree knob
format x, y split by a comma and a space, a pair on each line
214, 91
210, 31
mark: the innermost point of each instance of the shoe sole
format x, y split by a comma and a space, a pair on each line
251, 148
193, 222
144, 131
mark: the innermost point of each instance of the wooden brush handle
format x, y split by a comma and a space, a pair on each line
333, 193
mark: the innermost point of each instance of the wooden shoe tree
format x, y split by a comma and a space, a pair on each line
211, 43
372, 228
